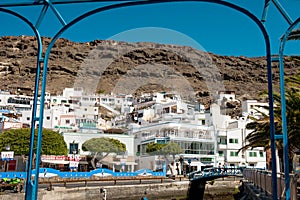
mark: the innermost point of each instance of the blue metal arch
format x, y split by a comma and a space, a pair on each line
137, 3
36, 90
283, 106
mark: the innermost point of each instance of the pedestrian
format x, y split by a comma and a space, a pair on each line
102, 194
219, 168
145, 196
45, 173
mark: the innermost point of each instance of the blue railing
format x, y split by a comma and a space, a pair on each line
49, 172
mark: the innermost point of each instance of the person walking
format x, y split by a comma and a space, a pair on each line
145, 196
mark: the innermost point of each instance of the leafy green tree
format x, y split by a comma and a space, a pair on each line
172, 148
102, 147
19, 140
168, 149
154, 148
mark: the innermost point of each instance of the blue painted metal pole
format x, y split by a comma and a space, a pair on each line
265, 11
57, 14
283, 109
40, 133
28, 184
284, 126
164, 168
30, 191
282, 12
41, 16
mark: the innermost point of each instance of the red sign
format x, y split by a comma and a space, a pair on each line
53, 157
72, 157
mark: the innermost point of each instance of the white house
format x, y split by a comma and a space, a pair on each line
254, 108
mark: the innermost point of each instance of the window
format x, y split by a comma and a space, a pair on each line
28, 118
233, 153
85, 109
206, 159
73, 148
222, 141
55, 118
252, 154
233, 141
221, 153
261, 154
67, 121
48, 117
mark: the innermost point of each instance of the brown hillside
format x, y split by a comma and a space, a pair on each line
119, 67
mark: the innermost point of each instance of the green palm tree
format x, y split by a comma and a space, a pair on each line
260, 136
294, 35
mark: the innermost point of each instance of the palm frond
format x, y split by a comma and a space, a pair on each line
294, 35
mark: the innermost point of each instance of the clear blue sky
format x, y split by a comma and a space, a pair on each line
212, 27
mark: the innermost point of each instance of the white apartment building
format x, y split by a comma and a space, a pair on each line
16, 102
231, 134
254, 108
207, 138
225, 96
171, 120
197, 142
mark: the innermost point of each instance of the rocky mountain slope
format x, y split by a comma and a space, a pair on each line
119, 67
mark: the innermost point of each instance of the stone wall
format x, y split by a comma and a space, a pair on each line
128, 192
224, 189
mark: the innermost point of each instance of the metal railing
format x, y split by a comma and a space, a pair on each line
262, 179
100, 172
216, 172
